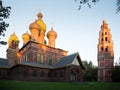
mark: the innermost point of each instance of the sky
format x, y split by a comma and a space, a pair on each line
78, 30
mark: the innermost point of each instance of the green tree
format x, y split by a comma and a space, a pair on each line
90, 2
4, 14
90, 72
116, 74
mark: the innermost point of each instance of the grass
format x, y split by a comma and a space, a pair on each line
20, 85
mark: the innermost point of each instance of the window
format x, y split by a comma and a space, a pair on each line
106, 49
42, 74
50, 61
34, 73
40, 58
102, 39
25, 72
61, 74
49, 74
105, 33
55, 74
106, 39
24, 58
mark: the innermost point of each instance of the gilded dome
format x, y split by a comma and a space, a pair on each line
26, 35
40, 22
13, 37
51, 33
34, 25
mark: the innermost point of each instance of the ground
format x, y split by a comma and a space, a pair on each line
20, 85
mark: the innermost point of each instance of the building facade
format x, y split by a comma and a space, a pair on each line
38, 60
105, 53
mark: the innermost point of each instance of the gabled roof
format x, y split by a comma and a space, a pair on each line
66, 61
4, 63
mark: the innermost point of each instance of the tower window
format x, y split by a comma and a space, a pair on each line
102, 39
106, 49
106, 39
105, 33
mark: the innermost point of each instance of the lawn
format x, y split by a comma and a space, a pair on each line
20, 85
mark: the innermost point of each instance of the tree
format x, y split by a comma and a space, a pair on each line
4, 14
90, 2
90, 72
116, 74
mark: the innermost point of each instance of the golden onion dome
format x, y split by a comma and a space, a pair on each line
40, 22
52, 33
34, 25
26, 35
13, 37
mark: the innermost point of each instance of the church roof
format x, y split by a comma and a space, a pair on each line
41, 65
4, 63
64, 62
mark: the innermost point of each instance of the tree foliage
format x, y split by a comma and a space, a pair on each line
116, 74
4, 14
90, 72
90, 2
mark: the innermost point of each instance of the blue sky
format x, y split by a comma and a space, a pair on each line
78, 31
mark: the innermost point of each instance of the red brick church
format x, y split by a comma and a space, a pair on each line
38, 61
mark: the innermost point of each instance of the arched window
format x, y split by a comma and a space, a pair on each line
106, 49
106, 39
101, 39
105, 33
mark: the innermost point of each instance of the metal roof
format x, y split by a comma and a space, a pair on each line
4, 63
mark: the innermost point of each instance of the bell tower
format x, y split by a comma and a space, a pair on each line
105, 55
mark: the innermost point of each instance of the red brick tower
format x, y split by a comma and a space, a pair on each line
105, 53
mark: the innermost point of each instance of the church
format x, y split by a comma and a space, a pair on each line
38, 60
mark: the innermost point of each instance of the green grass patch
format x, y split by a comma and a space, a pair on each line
22, 85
